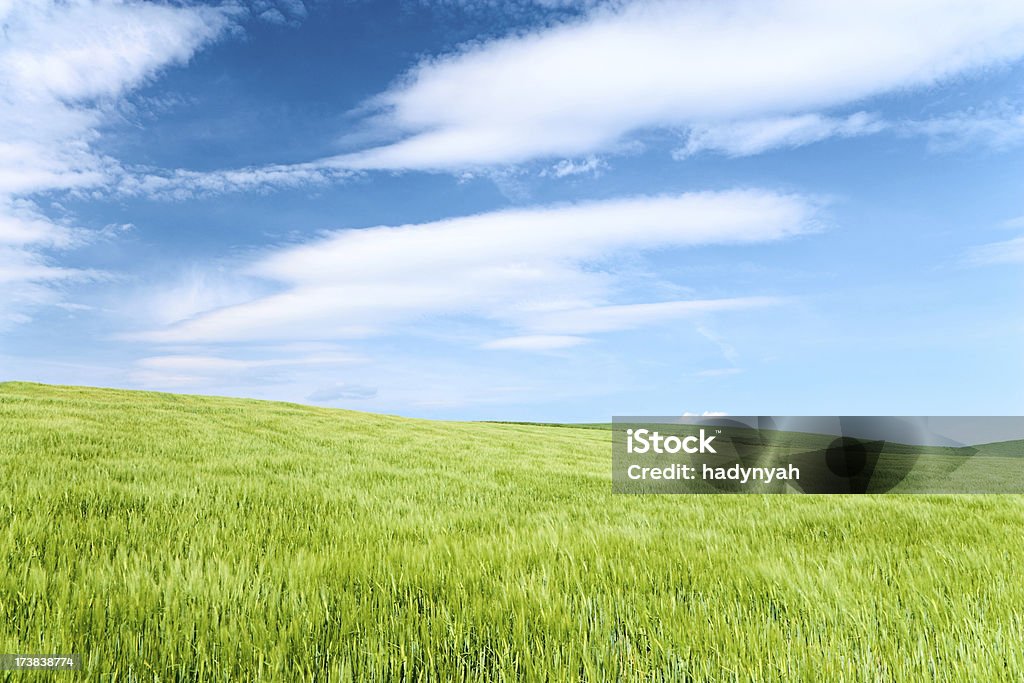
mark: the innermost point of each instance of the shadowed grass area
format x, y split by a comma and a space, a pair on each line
170, 537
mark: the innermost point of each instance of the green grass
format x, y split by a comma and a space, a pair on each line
186, 538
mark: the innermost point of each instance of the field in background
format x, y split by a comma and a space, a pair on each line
170, 537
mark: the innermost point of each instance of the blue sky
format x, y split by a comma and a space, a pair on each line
536, 210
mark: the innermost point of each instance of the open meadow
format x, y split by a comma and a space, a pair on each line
186, 538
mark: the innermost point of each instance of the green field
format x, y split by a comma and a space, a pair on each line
169, 537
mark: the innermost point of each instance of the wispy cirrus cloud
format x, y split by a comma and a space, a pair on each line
267, 365
591, 165
548, 271
581, 87
280, 12
733, 78
992, 127
1006, 251
535, 342
996, 127
61, 64
597, 319
746, 138
182, 184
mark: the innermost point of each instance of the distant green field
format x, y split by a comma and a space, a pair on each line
171, 538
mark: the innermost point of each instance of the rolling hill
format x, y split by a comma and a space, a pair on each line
174, 538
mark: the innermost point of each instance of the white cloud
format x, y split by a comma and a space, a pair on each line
546, 271
30, 279
279, 12
22, 224
580, 87
219, 364
294, 8
745, 138
535, 342
514, 6
596, 319
186, 369
78, 51
339, 392
185, 184
994, 127
178, 296
61, 63
568, 167
736, 77
1008, 251
727, 350
273, 16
